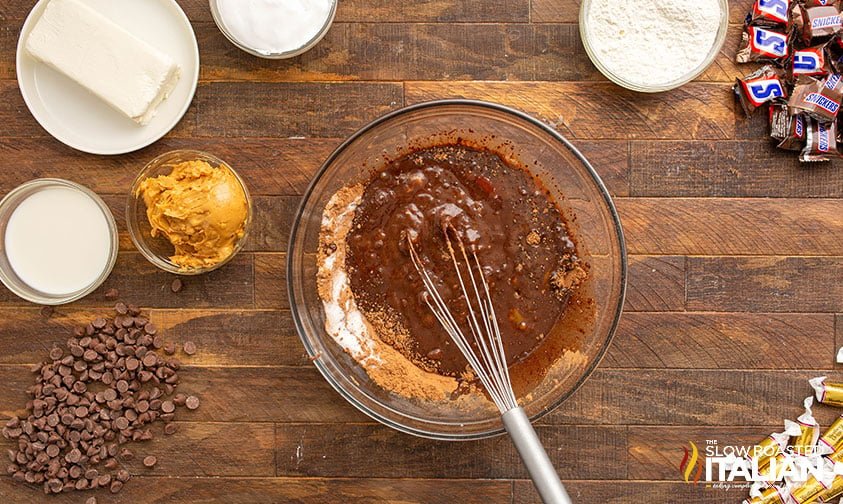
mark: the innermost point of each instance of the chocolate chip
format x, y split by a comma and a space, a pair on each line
123, 475
91, 500
177, 285
126, 454
56, 353
189, 347
170, 348
150, 360
116, 486
171, 428
192, 402
149, 461
168, 407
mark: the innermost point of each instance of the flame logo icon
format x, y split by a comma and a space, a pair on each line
689, 462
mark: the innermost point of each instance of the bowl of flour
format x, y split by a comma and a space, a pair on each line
653, 45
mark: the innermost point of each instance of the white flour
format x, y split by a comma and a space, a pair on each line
652, 42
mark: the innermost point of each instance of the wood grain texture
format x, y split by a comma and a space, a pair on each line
634, 492
775, 284
315, 450
715, 226
656, 283
685, 397
413, 51
730, 169
723, 340
269, 167
223, 337
285, 109
734, 282
600, 110
243, 490
230, 394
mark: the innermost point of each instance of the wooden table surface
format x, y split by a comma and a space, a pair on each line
735, 255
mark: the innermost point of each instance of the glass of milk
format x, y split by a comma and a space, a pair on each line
58, 241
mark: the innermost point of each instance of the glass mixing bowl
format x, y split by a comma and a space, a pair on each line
571, 182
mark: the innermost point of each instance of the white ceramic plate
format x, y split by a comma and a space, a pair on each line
79, 119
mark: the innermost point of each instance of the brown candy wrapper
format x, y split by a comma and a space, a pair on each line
787, 128
820, 145
819, 99
768, 13
762, 44
834, 54
819, 3
816, 24
758, 88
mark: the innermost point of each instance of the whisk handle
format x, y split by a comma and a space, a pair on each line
535, 458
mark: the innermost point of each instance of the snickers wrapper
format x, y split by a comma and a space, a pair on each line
793, 127
816, 24
819, 99
763, 45
813, 61
821, 145
758, 88
819, 3
768, 13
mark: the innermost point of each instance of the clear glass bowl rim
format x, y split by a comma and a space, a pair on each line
719, 41
321, 172
139, 242
28, 293
282, 55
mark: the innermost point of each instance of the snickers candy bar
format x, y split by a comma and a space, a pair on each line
790, 130
768, 13
810, 61
834, 54
758, 88
821, 145
762, 44
816, 24
819, 3
821, 100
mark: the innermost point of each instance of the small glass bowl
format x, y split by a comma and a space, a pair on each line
719, 40
8, 275
263, 53
159, 249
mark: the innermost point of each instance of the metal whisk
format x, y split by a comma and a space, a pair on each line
488, 361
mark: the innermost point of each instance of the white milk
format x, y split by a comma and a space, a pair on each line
274, 26
58, 240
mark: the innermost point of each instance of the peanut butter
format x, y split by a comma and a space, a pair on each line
201, 209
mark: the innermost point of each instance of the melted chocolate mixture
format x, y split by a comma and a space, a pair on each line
500, 212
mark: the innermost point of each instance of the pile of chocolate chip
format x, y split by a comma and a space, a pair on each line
102, 390
801, 41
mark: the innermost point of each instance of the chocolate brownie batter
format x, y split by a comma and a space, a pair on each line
499, 212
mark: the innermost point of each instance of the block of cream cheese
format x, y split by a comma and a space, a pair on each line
127, 73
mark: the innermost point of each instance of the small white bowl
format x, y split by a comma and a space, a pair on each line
719, 39
262, 52
12, 280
